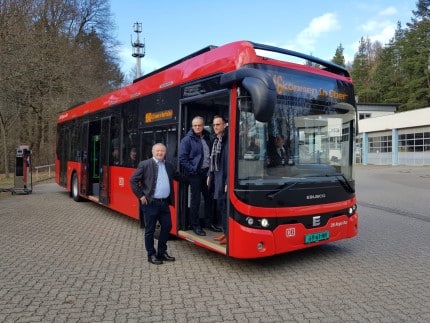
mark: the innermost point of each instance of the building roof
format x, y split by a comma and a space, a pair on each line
379, 107
407, 119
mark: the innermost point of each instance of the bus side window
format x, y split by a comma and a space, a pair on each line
172, 146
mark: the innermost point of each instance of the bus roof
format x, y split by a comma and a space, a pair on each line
208, 61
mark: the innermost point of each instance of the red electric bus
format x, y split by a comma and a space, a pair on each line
275, 205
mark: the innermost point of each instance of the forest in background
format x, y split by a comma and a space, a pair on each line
56, 53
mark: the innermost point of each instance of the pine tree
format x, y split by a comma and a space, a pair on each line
363, 69
387, 74
415, 58
338, 57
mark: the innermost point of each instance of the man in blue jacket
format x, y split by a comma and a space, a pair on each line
194, 157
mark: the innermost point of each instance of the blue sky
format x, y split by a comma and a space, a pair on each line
173, 29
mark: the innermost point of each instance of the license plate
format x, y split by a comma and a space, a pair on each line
318, 236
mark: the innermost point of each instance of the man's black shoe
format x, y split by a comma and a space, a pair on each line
199, 231
154, 260
166, 257
214, 228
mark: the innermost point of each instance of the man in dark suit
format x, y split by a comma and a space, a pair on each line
277, 152
218, 172
152, 183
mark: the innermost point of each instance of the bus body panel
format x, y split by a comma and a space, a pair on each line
292, 237
121, 197
255, 243
72, 167
290, 211
244, 241
287, 237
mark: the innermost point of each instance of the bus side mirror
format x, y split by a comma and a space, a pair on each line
261, 88
263, 98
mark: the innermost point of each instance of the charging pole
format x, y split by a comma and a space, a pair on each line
23, 181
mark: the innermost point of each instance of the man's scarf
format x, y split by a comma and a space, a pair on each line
216, 154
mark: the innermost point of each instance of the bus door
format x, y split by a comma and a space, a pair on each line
206, 106
63, 153
104, 160
85, 167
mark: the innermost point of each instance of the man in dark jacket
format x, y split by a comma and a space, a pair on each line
152, 183
218, 172
277, 152
194, 155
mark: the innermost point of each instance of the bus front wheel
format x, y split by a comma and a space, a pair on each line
75, 188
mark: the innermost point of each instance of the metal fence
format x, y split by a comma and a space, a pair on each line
42, 169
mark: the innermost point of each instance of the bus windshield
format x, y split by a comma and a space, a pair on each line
311, 134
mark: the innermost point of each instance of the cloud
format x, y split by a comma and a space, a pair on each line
389, 11
318, 26
380, 30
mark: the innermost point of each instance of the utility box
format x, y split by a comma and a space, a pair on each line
23, 181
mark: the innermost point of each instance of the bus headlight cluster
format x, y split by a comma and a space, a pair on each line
352, 209
252, 222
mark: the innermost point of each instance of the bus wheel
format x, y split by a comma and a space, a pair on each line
75, 188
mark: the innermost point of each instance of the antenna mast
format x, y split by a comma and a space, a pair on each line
138, 48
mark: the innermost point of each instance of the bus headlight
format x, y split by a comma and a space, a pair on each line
352, 209
264, 223
249, 220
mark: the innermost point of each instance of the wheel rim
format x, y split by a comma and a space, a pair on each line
75, 186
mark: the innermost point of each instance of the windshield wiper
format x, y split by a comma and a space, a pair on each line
284, 187
340, 178
344, 182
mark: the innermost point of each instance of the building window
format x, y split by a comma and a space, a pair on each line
362, 116
414, 142
381, 144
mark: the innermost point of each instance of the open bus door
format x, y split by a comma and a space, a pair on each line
206, 106
104, 161
85, 168
63, 147
94, 181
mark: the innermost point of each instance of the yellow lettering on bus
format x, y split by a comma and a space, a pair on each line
157, 116
283, 86
338, 95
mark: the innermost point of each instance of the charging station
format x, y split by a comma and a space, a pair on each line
23, 180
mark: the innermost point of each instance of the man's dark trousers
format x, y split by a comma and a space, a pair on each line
153, 212
199, 186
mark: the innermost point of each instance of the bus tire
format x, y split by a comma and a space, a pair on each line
75, 188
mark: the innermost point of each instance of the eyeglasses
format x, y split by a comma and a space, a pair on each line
197, 125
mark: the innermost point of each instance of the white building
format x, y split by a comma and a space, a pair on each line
388, 138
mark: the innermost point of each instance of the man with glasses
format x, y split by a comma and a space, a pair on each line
194, 157
218, 172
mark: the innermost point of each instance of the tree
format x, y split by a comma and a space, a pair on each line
415, 54
53, 53
338, 57
361, 70
388, 74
